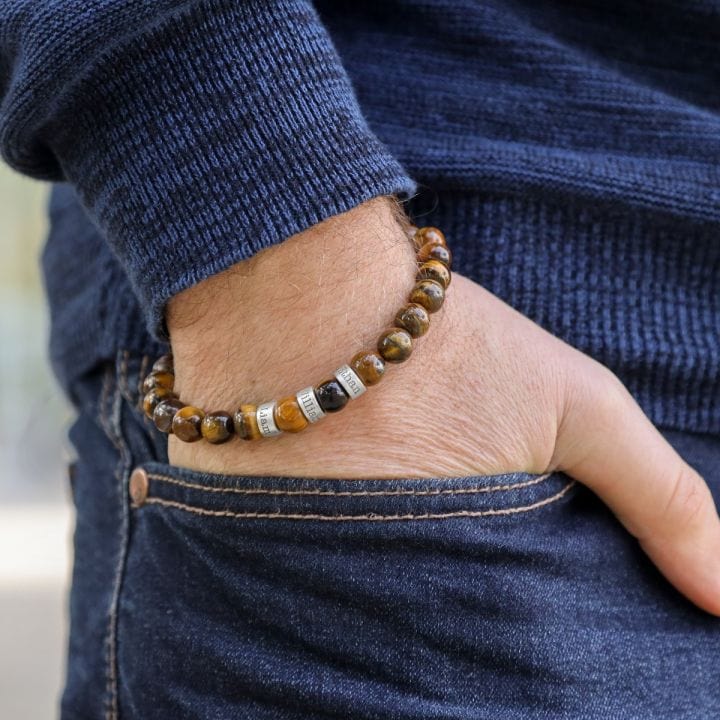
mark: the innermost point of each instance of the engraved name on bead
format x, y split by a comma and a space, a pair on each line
309, 404
266, 419
350, 381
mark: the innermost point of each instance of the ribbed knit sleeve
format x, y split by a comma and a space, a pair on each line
195, 133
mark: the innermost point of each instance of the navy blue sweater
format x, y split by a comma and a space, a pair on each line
570, 150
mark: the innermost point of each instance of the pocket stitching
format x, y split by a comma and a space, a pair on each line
372, 516
350, 493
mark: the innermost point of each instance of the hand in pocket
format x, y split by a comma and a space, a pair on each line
485, 390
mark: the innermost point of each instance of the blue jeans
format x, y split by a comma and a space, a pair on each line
499, 597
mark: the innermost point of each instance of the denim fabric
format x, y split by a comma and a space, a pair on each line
502, 597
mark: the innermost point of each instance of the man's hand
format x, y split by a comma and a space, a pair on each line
485, 391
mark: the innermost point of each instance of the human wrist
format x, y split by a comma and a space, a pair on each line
294, 312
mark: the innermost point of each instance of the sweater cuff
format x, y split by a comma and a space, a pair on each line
220, 131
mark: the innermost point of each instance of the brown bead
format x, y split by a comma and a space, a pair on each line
155, 396
369, 366
163, 364
429, 236
434, 270
158, 379
217, 427
186, 423
246, 423
289, 416
165, 412
435, 252
413, 318
395, 345
429, 294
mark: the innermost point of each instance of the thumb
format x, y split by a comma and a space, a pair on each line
606, 442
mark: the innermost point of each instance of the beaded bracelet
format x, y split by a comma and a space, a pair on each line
295, 412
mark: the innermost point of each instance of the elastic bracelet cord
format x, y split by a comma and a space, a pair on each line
294, 413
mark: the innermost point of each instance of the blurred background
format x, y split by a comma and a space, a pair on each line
35, 510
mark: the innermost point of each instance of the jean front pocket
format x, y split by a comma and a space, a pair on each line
296, 597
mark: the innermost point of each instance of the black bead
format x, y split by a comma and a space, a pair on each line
331, 396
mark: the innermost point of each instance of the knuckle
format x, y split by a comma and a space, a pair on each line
592, 399
611, 388
597, 394
687, 501
595, 382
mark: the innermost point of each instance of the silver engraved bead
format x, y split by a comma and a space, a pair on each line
350, 381
309, 404
266, 419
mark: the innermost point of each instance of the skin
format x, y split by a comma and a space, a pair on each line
485, 391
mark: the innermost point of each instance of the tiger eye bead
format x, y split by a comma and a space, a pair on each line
158, 379
434, 270
429, 294
288, 415
369, 366
165, 412
413, 318
395, 345
217, 427
246, 423
429, 236
331, 395
186, 423
163, 364
435, 252
155, 396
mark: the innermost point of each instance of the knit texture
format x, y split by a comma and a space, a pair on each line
571, 151
195, 133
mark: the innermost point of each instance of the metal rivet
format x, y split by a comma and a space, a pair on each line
139, 483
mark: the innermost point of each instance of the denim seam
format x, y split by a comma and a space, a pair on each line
121, 475
104, 401
141, 377
371, 516
103, 413
352, 493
